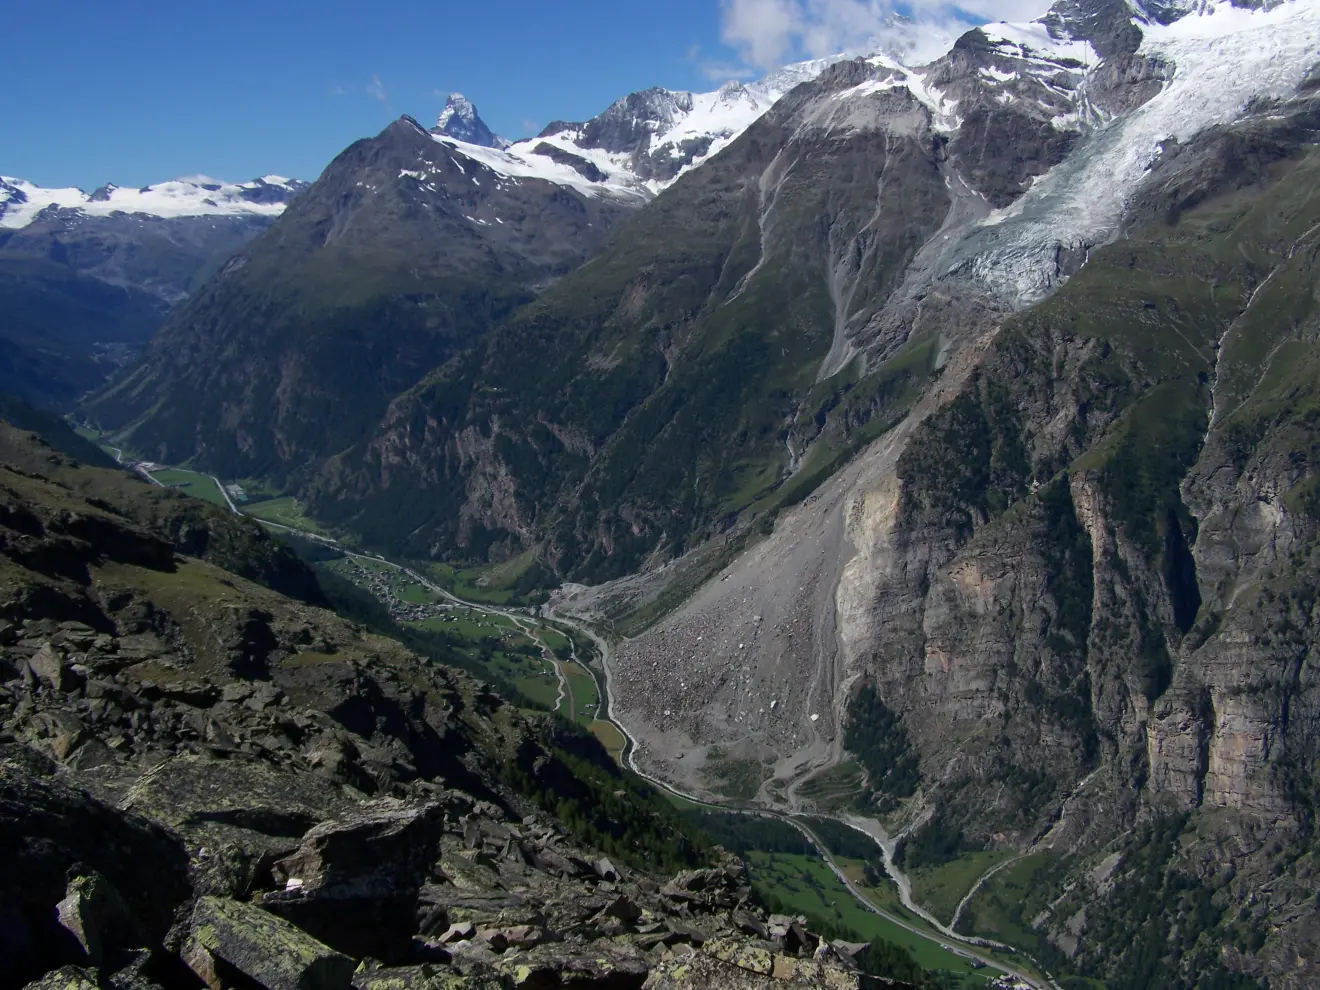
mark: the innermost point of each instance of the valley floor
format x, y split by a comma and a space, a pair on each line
552, 660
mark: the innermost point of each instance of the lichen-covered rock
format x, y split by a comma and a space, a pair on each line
704, 971
602, 965
420, 978
226, 937
66, 978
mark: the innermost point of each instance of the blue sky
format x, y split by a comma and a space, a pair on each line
137, 92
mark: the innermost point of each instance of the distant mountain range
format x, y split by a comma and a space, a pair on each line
86, 279
23, 203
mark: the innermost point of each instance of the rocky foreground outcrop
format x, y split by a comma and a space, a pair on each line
203, 782
173, 834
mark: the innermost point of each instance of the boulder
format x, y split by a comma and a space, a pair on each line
230, 942
767, 972
603, 966
66, 978
354, 880
50, 831
380, 851
459, 932
624, 909
50, 668
94, 913
606, 871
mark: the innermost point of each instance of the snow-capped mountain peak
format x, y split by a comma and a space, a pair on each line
198, 195
460, 121
637, 146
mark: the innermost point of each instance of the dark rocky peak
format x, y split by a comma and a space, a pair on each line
460, 121
102, 195
1107, 24
558, 127
629, 123
1018, 93
854, 72
272, 189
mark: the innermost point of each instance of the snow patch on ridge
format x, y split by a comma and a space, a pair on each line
717, 117
517, 162
1034, 42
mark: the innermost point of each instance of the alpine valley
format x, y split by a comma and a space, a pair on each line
917, 451
86, 279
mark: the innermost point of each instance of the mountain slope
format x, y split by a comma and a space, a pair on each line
753, 326
670, 356
1063, 612
402, 253
62, 333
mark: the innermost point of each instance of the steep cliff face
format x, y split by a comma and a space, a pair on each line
1092, 593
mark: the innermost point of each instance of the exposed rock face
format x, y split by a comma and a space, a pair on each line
1091, 613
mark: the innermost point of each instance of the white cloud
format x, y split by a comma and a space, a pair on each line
763, 31
768, 33
719, 70
376, 90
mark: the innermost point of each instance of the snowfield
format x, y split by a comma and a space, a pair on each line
191, 196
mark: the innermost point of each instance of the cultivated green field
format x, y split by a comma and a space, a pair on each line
586, 697
806, 884
285, 511
191, 483
497, 644
939, 889
490, 584
610, 737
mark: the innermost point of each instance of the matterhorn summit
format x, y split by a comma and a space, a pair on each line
460, 121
